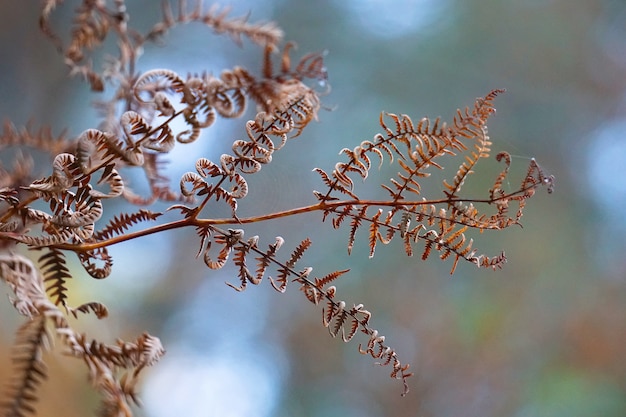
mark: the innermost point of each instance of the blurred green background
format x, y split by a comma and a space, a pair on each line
543, 337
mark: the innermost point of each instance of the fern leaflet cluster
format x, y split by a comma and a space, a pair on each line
438, 223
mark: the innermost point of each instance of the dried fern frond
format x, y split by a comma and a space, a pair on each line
30, 369
345, 321
103, 361
236, 28
120, 223
151, 111
97, 263
280, 284
55, 272
41, 139
93, 21
99, 309
441, 223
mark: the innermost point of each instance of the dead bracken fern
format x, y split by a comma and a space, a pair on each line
60, 213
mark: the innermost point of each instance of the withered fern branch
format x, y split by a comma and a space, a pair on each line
60, 211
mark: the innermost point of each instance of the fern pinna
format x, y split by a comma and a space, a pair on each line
62, 212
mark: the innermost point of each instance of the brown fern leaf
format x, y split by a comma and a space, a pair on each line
226, 95
92, 23
454, 244
61, 236
116, 398
472, 217
98, 309
321, 283
104, 360
333, 185
414, 146
199, 186
90, 29
259, 33
55, 273
425, 144
113, 179
427, 213
204, 96
428, 246
310, 66
79, 210
133, 124
448, 240
204, 233
159, 139
280, 284
228, 197
47, 8
481, 150
239, 259
137, 131
340, 182
228, 240
283, 98
313, 292
374, 233
318, 290
95, 146
377, 349
9, 195
470, 124
20, 174
122, 222
490, 262
41, 139
536, 177
359, 317
250, 155
340, 215
30, 370
145, 351
297, 254
496, 192
334, 316
405, 222
152, 83
267, 258
98, 263
73, 215
26, 282
354, 225
358, 161
298, 107
338, 319
65, 174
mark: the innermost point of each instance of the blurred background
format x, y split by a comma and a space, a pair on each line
543, 337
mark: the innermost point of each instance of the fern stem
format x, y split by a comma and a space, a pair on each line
323, 205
